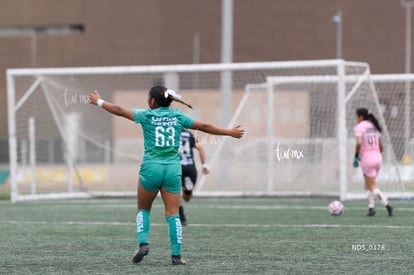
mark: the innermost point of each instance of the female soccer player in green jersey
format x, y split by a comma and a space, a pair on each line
161, 169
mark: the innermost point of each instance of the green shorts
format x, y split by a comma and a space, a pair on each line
154, 176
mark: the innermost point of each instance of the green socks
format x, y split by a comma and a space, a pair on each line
176, 233
143, 226
174, 230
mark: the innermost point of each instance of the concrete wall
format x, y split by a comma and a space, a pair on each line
141, 32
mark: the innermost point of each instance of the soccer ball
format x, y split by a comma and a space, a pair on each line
336, 208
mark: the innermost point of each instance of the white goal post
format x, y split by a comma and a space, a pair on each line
298, 129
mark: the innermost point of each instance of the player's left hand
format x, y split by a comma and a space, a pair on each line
236, 132
93, 97
205, 170
356, 162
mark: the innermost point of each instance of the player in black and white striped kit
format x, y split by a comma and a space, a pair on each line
189, 170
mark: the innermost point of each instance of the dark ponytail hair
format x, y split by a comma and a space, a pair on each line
369, 116
157, 93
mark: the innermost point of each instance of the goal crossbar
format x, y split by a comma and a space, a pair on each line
179, 68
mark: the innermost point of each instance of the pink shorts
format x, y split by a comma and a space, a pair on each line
371, 164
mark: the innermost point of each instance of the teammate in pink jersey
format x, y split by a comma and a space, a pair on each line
368, 151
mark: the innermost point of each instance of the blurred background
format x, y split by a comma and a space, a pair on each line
75, 33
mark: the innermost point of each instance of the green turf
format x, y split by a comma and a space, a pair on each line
225, 236
4, 195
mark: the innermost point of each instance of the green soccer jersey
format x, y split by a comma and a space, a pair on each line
162, 128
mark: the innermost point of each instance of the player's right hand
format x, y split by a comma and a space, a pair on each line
93, 97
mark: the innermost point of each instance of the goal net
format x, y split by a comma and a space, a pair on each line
395, 92
320, 112
298, 118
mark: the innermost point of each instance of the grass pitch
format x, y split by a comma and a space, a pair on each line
224, 236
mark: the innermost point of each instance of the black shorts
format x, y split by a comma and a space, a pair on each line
191, 172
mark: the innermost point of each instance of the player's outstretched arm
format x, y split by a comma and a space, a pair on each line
236, 132
95, 99
200, 150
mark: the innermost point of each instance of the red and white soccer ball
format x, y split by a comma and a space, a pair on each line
336, 208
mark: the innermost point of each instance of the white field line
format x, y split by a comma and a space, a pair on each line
248, 207
86, 223
282, 207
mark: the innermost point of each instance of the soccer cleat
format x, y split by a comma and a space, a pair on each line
140, 253
176, 260
371, 212
389, 209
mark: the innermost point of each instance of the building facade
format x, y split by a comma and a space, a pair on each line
139, 32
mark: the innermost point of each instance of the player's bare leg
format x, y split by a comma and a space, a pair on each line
375, 192
187, 197
369, 185
187, 194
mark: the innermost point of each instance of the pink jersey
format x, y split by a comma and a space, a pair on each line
369, 151
370, 137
